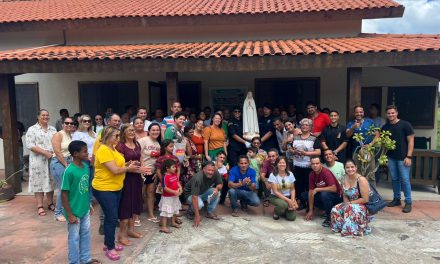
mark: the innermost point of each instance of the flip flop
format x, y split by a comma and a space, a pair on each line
41, 211
137, 223
178, 221
51, 207
213, 217
112, 256
165, 231
117, 248
60, 218
266, 203
153, 219
134, 234
125, 243
94, 261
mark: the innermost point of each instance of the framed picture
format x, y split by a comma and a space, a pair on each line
227, 97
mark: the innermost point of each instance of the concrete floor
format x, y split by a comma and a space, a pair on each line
252, 238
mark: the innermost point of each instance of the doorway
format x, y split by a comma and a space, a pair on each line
96, 97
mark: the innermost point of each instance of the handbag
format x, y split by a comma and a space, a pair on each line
375, 202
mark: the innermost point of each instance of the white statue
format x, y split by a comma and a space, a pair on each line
250, 119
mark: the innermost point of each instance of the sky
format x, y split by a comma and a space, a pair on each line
420, 16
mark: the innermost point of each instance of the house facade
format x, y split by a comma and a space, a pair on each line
88, 55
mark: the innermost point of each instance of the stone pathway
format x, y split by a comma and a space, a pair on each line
260, 239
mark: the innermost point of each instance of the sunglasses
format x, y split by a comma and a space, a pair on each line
87, 121
69, 123
283, 182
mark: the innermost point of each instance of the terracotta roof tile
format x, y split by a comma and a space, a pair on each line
364, 43
49, 10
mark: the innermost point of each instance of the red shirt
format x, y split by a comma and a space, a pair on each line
267, 168
171, 181
324, 179
320, 122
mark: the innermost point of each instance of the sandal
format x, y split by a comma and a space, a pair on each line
266, 203
166, 231
40, 211
112, 256
94, 261
153, 219
137, 223
117, 248
178, 221
60, 218
213, 216
51, 207
176, 225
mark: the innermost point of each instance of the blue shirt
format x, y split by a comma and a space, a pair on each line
363, 129
235, 176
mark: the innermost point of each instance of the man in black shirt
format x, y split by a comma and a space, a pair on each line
267, 130
333, 137
399, 159
237, 145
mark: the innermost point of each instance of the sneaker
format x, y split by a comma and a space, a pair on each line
407, 208
326, 223
101, 229
394, 202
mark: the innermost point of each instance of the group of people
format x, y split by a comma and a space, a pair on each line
200, 160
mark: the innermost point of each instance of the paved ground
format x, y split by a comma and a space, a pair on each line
251, 238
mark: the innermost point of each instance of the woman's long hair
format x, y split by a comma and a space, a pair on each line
81, 127
275, 170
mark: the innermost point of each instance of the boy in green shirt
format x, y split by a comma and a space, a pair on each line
75, 197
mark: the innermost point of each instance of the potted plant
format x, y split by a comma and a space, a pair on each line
371, 156
6, 190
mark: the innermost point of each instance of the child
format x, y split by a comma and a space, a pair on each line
222, 169
253, 162
169, 203
75, 197
166, 153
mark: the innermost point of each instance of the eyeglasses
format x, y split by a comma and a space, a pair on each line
87, 121
283, 183
69, 123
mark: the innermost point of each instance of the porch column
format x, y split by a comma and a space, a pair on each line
353, 90
10, 135
172, 82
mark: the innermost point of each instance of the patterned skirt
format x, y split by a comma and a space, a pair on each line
169, 206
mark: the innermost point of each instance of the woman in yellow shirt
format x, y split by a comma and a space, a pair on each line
110, 169
214, 137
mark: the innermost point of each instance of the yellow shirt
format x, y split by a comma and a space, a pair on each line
97, 144
104, 179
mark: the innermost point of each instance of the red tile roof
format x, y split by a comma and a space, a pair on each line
365, 43
49, 10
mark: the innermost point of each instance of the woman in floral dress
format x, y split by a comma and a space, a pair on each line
350, 218
38, 141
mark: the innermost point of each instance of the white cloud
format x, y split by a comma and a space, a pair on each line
420, 16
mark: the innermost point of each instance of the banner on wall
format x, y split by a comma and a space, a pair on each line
227, 97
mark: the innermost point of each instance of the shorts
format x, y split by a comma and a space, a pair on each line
149, 179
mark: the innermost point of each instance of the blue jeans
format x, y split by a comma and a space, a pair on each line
204, 197
245, 197
109, 202
79, 240
400, 179
57, 171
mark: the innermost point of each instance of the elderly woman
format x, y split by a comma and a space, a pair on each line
282, 190
350, 217
60, 145
139, 124
38, 141
302, 148
214, 137
131, 196
110, 170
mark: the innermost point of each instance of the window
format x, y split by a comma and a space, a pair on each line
416, 104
